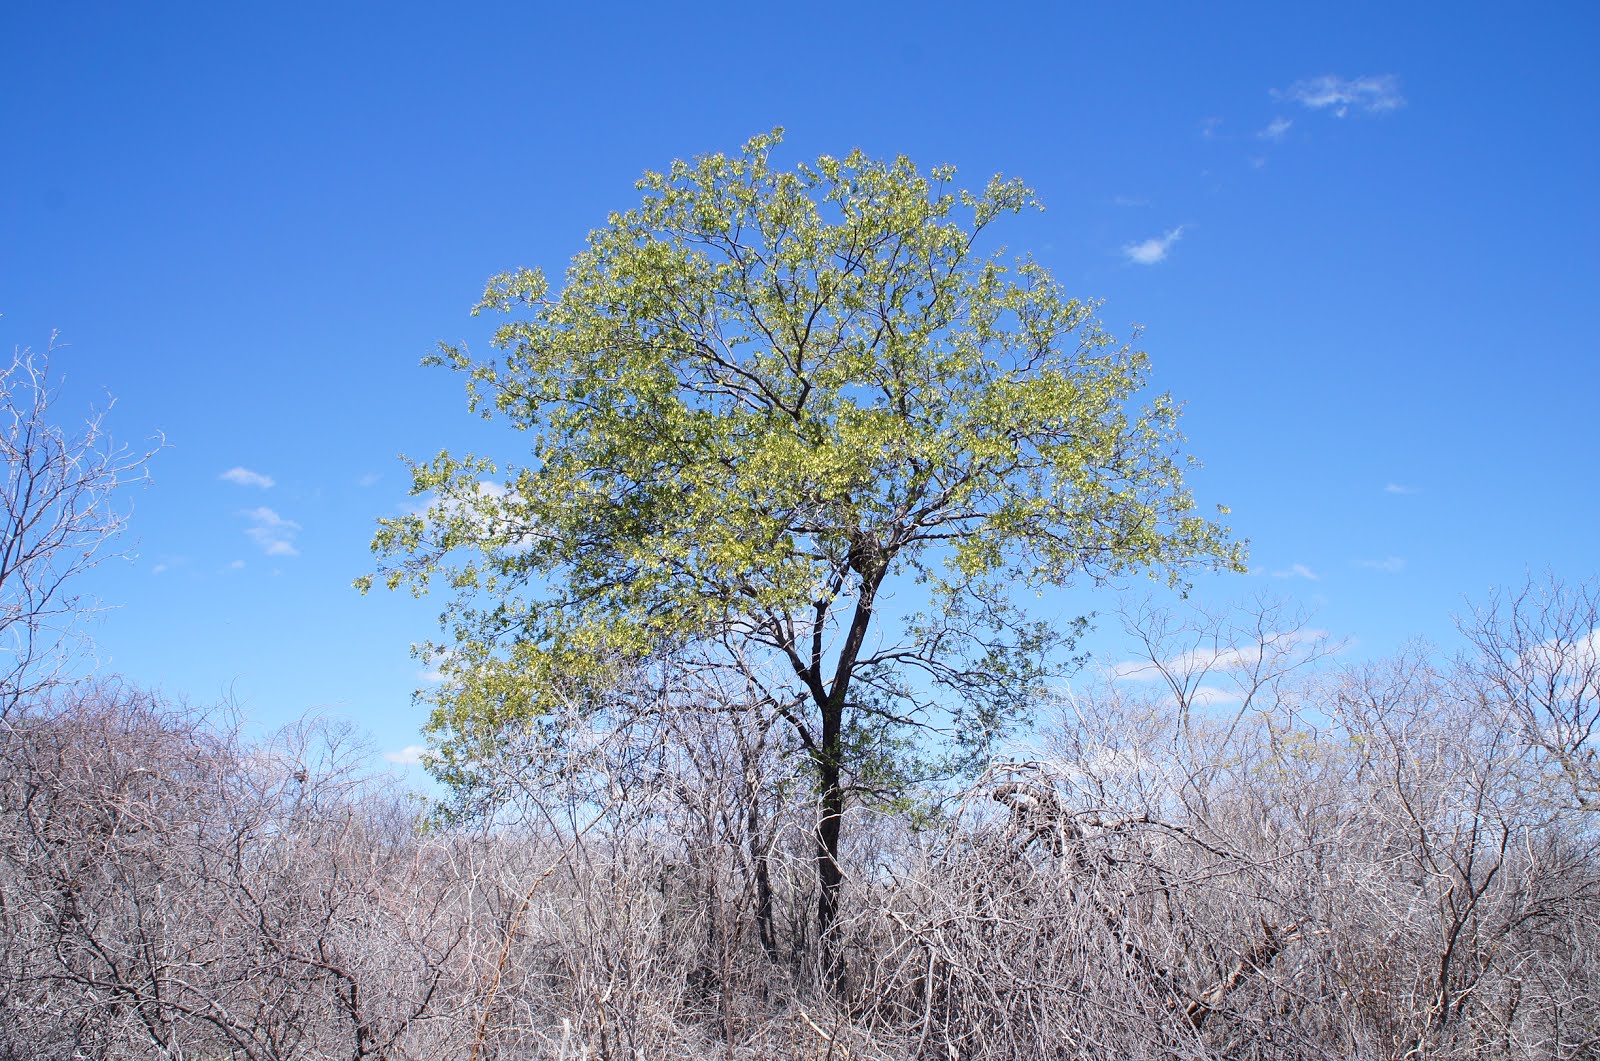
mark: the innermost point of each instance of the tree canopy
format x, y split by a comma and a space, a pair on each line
762, 400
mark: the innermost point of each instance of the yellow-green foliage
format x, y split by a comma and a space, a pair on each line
759, 390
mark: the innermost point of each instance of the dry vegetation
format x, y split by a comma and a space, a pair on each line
1393, 860
1237, 849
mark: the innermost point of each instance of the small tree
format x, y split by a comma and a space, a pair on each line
59, 509
1538, 659
763, 402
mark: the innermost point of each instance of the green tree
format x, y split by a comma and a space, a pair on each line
762, 401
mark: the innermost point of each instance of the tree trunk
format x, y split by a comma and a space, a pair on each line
869, 560
765, 927
830, 823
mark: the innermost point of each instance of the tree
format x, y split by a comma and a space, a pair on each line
1538, 659
762, 403
59, 510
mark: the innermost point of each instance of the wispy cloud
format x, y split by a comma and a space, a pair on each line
246, 477
274, 534
484, 492
1153, 250
1201, 695
434, 659
410, 755
1399, 488
489, 509
1298, 571
1573, 655
1211, 696
1210, 660
1367, 95
1389, 565
1275, 129
369, 479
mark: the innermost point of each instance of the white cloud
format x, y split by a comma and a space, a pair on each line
1133, 670
237, 565
432, 672
1209, 660
1211, 696
1275, 129
246, 477
1369, 95
1298, 571
273, 533
1152, 250
1388, 565
1397, 488
1572, 659
410, 755
448, 507
369, 479
484, 511
159, 569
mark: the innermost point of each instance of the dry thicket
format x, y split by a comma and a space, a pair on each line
1235, 849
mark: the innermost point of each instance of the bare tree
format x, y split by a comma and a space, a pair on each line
59, 509
1538, 659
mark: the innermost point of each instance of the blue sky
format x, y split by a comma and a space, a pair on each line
1360, 240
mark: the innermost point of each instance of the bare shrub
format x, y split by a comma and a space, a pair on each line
1234, 848
171, 892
